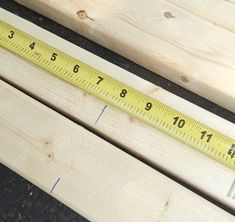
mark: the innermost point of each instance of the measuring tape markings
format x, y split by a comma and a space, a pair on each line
162, 117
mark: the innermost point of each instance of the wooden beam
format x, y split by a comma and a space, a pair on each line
88, 174
181, 161
218, 12
163, 36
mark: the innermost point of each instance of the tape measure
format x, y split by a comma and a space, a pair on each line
160, 116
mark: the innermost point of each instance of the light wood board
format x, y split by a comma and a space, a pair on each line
170, 38
88, 174
172, 156
217, 12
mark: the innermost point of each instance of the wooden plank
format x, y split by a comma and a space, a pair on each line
218, 12
157, 148
181, 46
88, 174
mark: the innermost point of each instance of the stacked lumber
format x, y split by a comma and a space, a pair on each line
221, 14
189, 42
88, 174
82, 170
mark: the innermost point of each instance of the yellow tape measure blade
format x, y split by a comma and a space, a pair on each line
160, 116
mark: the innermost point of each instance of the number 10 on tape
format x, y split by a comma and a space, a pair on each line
160, 116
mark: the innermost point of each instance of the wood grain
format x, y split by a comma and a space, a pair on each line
167, 37
218, 12
88, 174
190, 166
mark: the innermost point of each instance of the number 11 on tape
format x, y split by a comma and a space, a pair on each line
118, 94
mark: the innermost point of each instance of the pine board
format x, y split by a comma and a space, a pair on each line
155, 147
218, 12
88, 174
170, 38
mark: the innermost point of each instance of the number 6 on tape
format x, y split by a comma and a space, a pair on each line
177, 125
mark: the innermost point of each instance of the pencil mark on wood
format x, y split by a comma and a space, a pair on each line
166, 204
168, 15
82, 14
164, 208
100, 114
55, 184
184, 79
